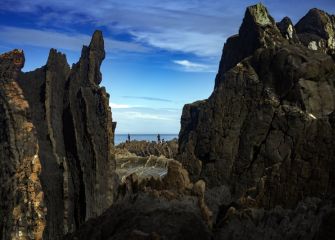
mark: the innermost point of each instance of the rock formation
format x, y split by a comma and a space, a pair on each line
316, 30
168, 149
267, 131
168, 208
22, 207
57, 161
311, 219
129, 163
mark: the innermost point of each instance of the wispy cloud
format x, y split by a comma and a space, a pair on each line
140, 115
200, 44
185, 26
145, 119
189, 66
148, 98
199, 27
116, 105
60, 40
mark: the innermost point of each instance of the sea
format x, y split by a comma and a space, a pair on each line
120, 138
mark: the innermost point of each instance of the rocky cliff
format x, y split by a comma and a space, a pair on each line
57, 161
267, 131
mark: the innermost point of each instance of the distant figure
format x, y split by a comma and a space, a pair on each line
158, 138
128, 137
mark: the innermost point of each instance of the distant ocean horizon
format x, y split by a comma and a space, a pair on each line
120, 138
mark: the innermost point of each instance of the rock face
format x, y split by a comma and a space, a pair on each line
67, 145
311, 219
267, 130
317, 30
22, 213
168, 208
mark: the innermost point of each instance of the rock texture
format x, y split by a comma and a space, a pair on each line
311, 219
22, 212
168, 149
316, 30
171, 208
129, 163
267, 130
63, 123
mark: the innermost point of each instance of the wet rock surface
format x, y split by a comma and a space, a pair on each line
57, 131
148, 166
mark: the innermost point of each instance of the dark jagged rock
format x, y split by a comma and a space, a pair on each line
257, 30
317, 30
168, 208
168, 149
265, 131
71, 132
311, 219
288, 31
22, 213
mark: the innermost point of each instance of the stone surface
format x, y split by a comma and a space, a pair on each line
129, 163
309, 220
287, 30
71, 134
167, 208
316, 30
168, 149
266, 131
22, 205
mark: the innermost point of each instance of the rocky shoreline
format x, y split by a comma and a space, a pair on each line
255, 160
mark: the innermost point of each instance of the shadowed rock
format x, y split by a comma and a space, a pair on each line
265, 131
288, 31
317, 30
168, 208
22, 205
71, 135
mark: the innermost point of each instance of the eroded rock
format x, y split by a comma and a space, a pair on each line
58, 116
167, 208
265, 131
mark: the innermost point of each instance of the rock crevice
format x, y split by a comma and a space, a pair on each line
72, 128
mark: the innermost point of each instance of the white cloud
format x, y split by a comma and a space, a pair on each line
186, 26
201, 44
194, 67
140, 115
53, 39
116, 105
147, 120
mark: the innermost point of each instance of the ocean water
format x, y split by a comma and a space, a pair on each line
119, 138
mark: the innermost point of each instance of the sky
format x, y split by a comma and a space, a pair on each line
160, 54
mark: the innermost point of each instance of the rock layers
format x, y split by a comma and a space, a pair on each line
57, 161
22, 207
168, 149
267, 131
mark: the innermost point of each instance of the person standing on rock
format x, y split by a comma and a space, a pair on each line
158, 138
128, 137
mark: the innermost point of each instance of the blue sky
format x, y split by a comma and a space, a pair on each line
160, 54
